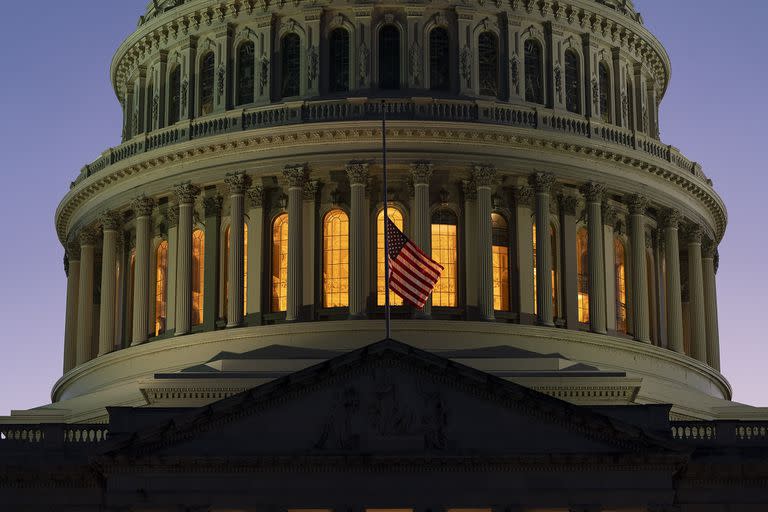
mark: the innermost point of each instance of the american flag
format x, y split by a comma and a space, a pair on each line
412, 274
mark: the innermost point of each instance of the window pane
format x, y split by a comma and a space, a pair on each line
161, 288
534, 83
336, 260
582, 271
198, 275
339, 60
245, 73
280, 263
488, 62
572, 82
444, 251
291, 65
439, 60
381, 284
174, 95
621, 286
500, 262
389, 57
206, 83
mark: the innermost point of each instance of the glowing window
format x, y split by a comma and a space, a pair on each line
488, 64
389, 57
339, 60
444, 251
439, 60
198, 275
336, 259
161, 288
605, 92
572, 82
582, 272
534, 65
280, 263
225, 268
553, 247
500, 231
621, 285
245, 73
396, 217
291, 65
207, 64
174, 95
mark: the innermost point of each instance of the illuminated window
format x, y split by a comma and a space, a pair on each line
198, 275
161, 288
444, 251
336, 259
245, 73
225, 268
389, 57
553, 247
582, 272
500, 262
572, 82
605, 92
290, 49
396, 217
621, 285
280, 263
439, 60
488, 64
534, 65
174, 95
207, 64
339, 60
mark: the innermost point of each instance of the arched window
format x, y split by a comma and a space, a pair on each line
280, 263
336, 259
445, 251
225, 268
150, 106
582, 272
207, 79
534, 71
630, 107
488, 64
605, 92
161, 287
290, 50
439, 60
396, 216
553, 270
389, 57
246, 68
198, 275
620, 258
572, 82
338, 60
500, 232
174, 96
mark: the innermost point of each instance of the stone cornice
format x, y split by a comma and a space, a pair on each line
402, 132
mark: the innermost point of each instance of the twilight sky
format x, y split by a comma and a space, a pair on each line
59, 112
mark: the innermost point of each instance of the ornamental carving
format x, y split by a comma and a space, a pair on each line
465, 65
514, 73
693, 234
469, 190
256, 196
648, 240
296, 176
484, 176
595, 92
109, 220
172, 215
184, 92
364, 56
143, 206
263, 75
542, 182
708, 248
73, 250
186, 193
221, 77
414, 63
568, 204
313, 65
637, 204
558, 82
593, 192
88, 237
421, 172
671, 218
523, 196
238, 182
610, 215
212, 205
357, 172
311, 188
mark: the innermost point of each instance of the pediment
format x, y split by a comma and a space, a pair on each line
389, 399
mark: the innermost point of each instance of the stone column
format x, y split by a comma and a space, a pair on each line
72, 267
641, 319
696, 285
309, 251
172, 223
421, 172
255, 252
85, 297
357, 173
569, 276
609, 222
524, 253
674, 293
470, 245
186, 193
709, 255
484, 177
109, 223
296, 177
142, 207
542, 183
238, 184
212, 205
594, 193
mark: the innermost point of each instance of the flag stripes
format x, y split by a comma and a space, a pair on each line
412, 274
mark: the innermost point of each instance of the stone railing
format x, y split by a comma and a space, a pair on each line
51, 435
360, 109
721, 432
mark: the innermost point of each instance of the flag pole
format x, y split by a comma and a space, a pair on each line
387, 316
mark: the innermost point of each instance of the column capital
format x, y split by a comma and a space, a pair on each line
238, 182
693, 234
256, 195
109, 220
88, 236
358, 173
186, 193
610, 214
523, 195
73, 250
296, 175
542, 182
469, 189
671, 218
484, 175
648, 239
708, 248
142, 206
212, 205
637, 203
593, 192
311, 187
568, 204
421, 172
172, 215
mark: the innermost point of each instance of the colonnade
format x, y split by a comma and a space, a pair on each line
532, 201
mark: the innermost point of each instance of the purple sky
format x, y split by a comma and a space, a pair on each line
59, 112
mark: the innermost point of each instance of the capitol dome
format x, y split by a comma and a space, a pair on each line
235, 235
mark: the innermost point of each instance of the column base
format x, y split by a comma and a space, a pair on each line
358, 316
546, 324
137, 343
